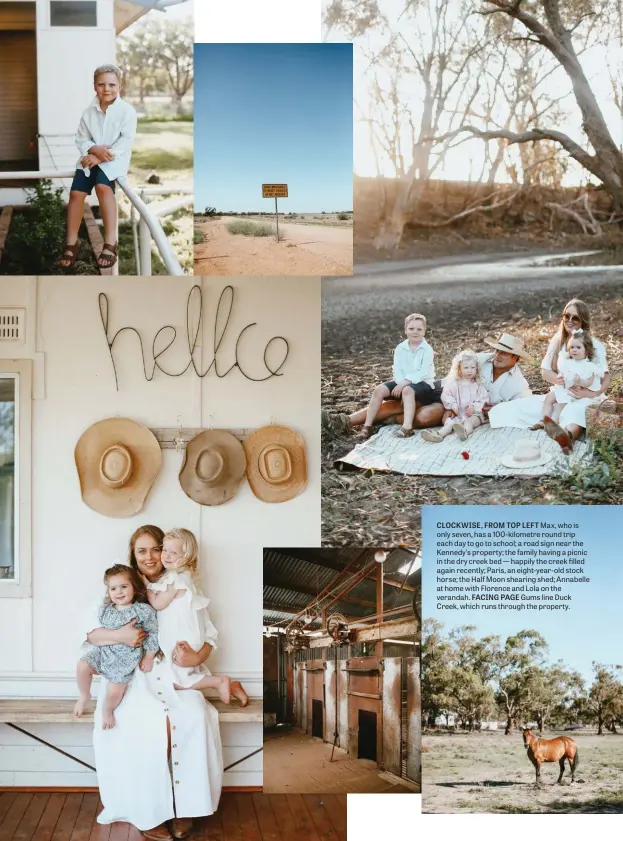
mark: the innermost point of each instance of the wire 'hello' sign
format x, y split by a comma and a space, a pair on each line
194, 314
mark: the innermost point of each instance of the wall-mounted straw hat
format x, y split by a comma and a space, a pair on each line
213, 467
510, 344
276, 464
118, 460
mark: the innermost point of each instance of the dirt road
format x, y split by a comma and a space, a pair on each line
306, 250
490, 772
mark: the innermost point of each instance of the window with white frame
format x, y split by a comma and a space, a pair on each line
73, 13
15, 476
9, 391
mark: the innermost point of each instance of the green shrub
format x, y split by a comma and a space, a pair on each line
251, 229
198, 237
343, 217
37, 237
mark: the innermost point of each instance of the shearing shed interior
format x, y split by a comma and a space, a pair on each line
342, 670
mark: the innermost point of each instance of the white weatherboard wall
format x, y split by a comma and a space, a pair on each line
66, 59
72, 545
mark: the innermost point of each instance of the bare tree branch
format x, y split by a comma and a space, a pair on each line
481, 208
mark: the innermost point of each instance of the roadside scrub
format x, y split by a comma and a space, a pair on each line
252, 229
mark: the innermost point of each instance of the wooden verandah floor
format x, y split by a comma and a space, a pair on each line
61, 816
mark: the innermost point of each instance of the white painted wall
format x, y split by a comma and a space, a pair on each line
66, 59
74, 387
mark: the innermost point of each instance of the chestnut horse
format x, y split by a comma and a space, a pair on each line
551, 750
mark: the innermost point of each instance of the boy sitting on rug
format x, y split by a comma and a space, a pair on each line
414, 378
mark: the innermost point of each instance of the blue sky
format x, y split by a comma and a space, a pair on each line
592, 629
274, 114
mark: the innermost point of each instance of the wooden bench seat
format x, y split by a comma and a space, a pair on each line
60, 710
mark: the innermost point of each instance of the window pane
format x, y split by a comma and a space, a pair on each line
71, 13
7, 477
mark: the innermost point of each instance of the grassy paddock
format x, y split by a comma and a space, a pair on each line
490, 772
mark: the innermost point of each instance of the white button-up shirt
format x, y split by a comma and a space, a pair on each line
114, 127
508, 386
415, 365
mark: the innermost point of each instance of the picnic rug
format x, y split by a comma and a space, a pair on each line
416, 457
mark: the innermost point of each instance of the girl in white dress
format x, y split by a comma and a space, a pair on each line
463, 397
180, 608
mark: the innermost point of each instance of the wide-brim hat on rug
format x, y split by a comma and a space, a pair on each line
118, 460
526, 453
510, 344
276, 463
214, 465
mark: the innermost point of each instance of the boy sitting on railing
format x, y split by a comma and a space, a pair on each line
104, 139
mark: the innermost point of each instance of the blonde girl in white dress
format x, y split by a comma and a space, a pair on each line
181, 616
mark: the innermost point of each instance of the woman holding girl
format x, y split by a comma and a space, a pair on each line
161, 764
528, 411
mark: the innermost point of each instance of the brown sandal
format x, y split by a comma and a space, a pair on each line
107, 261
366, 432
403, 433
70, 253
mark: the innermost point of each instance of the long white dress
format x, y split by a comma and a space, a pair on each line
135, 781
526, 411
186, 618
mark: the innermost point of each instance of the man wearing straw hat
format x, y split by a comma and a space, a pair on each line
500, 373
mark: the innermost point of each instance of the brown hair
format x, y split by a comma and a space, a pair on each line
561, 334
140, 590
154, 531
585, 338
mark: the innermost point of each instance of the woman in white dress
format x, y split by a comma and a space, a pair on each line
528, 411
162, 762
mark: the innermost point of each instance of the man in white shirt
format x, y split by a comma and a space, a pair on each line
500, 371
104, 140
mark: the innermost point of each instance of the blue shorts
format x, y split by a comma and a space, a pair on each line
85, 183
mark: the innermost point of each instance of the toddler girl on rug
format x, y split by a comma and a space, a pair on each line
125, 600
182, 615
575, 369
463, 397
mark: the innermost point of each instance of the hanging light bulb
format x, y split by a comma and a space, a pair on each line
380, 555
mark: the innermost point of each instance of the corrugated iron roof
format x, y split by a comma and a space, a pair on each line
286, 576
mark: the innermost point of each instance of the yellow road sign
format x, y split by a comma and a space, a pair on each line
277, 191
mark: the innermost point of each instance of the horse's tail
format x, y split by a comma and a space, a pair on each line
576, 760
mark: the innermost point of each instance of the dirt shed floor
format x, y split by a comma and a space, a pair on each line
299, 764
490, 772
